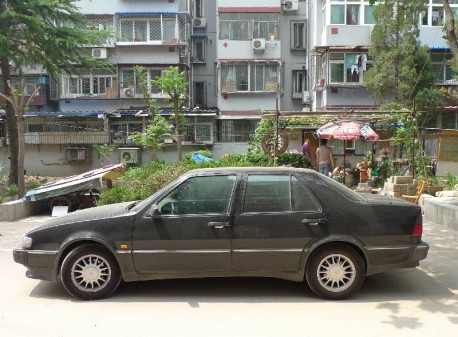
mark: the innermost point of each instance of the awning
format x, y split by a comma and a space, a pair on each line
82, 182
145, 13
63, 113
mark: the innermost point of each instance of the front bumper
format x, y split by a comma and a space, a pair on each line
40, 264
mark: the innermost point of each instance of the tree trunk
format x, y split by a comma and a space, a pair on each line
11, 124
177, 130
450, 33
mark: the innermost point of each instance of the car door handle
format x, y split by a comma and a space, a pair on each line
218, 224
314, 222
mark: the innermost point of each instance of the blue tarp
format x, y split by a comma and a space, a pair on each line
198, 158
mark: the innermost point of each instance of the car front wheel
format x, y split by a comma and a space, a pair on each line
90, 272
335, 272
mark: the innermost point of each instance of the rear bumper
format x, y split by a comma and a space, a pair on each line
40, 264
382, 259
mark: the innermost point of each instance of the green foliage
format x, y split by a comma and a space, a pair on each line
401, 68
103, 152
451, 180
10, 190
153, 137
293, 159
52, 33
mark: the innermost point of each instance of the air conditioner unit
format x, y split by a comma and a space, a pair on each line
199, 22
290, 5
99, 53
75, 154
130, 155
306, 97
127, 93
258, 44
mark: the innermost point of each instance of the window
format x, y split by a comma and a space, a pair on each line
347, 67
200, 195
246, 26
198, 9
236, 130
89, 82
345, 13
198, 50
448, 148
434, 15
249, 77
299, 83
153, 28
442, 67
277, 193
130, 81
298, 35
124, 126
198, 129
200, 94
369, 18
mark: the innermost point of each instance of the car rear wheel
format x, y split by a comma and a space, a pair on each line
335, 272
90, 272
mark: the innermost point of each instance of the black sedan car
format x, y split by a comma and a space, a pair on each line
286, 223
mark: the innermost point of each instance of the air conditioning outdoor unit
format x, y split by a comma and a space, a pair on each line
306, 97
199, 22
127, 93
258, 44
130, 155
290, 5
99, 53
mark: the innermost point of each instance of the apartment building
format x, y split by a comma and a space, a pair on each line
242, 59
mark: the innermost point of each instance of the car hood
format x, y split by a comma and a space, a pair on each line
100, 212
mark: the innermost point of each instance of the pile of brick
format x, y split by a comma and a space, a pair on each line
397, 186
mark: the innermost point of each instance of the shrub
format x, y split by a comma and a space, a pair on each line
294, 159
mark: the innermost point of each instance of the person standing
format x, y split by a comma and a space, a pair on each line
324, 158
306, 151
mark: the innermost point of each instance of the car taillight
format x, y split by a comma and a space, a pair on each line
418, 230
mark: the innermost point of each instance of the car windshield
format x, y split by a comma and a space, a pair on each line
343, 190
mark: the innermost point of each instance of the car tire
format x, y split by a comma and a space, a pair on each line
90, 272
335, 272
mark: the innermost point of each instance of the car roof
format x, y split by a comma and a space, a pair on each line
248, 169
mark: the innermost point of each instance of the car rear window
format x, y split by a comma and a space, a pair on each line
343, 190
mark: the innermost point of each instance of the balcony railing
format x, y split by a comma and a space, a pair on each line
83, 137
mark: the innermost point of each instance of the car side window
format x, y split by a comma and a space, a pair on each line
267, 193
199, 195
277, 193
301, 199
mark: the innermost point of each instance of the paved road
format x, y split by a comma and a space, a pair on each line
421, 302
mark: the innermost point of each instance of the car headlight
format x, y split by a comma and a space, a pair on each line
27, 242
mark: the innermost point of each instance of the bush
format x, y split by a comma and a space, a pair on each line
294, 159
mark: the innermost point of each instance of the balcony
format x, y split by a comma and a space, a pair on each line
83, 137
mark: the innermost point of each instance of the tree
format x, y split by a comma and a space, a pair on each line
401, 67
19, 105
173, 83
46, 32
153, 137
450, 30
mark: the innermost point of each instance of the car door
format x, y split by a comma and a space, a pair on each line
273, 224
190, 231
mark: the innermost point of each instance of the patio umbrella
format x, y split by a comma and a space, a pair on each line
347, 130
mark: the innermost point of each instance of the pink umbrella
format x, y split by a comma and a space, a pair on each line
347, 130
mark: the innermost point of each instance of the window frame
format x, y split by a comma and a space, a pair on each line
296, 31
243, 77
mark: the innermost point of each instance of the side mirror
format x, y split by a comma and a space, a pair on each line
153, 212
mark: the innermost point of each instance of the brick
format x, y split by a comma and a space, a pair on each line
403, 180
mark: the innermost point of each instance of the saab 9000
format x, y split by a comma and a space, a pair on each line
287, 223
